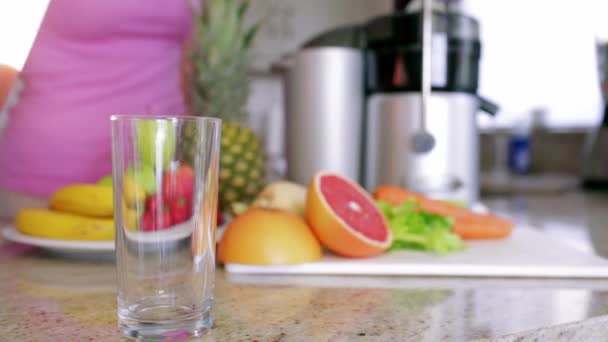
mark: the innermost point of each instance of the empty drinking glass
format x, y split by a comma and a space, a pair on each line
165, 174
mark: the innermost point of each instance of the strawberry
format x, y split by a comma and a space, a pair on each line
178, 183
179, 210
190, 208
154, 203
151, 221
166, 220
219, 216
187, 175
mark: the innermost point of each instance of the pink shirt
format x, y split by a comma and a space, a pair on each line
91, 59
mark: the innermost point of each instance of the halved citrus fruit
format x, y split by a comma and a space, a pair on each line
268, 237
345, 218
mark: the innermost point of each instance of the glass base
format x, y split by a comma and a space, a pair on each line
195, 324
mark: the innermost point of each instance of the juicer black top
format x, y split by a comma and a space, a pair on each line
393, 53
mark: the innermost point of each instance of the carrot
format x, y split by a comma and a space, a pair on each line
442, 208
394, 195
479, 227
467, 225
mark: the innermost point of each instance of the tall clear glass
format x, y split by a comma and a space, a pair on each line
165, 174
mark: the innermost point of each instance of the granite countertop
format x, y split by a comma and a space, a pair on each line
47, 298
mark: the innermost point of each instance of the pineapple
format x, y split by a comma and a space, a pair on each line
220, 88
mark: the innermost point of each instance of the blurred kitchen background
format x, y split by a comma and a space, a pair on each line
542, 63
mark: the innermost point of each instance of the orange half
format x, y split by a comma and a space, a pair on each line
268, 237
345, 218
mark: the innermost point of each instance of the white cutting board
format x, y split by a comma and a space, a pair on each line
527, 253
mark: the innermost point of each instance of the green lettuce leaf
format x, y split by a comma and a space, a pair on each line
413, 229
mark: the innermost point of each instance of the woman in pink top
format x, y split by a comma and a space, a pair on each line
90, 59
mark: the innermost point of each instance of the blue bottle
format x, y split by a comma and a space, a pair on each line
520, 156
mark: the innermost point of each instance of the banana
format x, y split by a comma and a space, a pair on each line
56, 225
130, 218
282, 195
84, 199
133, 193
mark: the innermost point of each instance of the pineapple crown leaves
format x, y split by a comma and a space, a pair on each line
220, 57
221, 26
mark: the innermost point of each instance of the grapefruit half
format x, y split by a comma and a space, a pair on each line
345, 218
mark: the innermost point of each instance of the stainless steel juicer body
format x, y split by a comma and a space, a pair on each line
448, 171
353, 106
324, 102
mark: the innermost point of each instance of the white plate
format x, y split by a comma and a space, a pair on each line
173, 233
176, 233
62, 246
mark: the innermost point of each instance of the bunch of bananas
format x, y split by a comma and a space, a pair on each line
76, 212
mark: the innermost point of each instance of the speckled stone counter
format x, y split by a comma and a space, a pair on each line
47, 298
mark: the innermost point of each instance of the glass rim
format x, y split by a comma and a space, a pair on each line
153, 117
